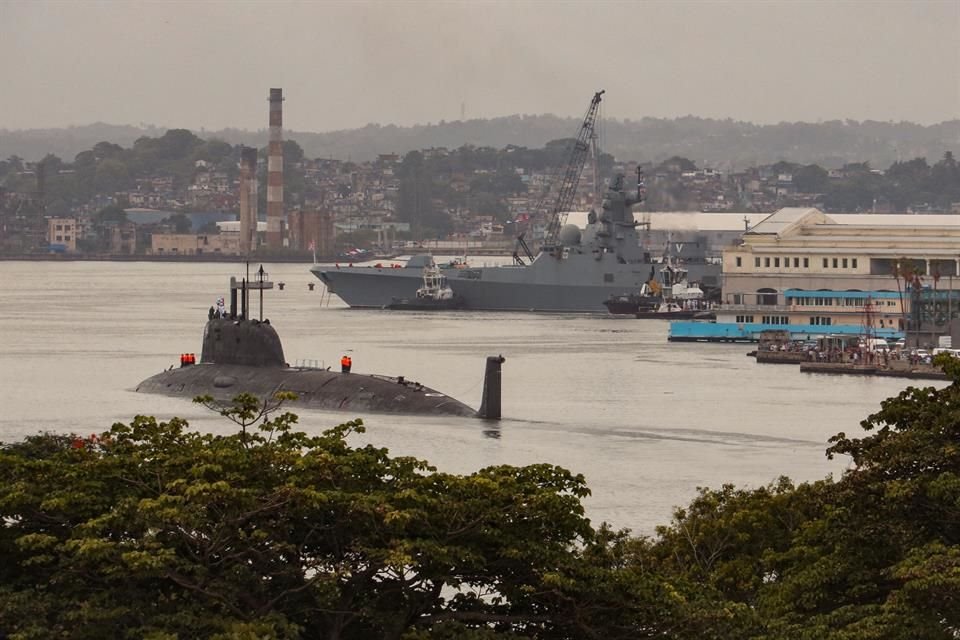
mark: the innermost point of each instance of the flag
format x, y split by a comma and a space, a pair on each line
313, 245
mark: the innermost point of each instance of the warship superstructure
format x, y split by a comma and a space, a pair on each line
576, 274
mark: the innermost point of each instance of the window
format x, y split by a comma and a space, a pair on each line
776, 262
825, 264
59, 227
806, 263
821, 321
834, 263
737, 298
59, 238
756, 262
67, 238
608, 277
766, 262
844, 263
854, 260
744, 318
796, 263
775, 320
739, 261
766, 296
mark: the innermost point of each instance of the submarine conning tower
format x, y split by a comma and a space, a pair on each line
246, 342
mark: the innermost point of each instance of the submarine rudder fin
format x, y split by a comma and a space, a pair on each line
490, 402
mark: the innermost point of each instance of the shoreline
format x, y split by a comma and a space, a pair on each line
212, 257
152, 258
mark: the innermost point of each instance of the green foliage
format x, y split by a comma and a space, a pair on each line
677, 164
153, 530
811, 179
416, 198
873, 555
113, 213
179, 222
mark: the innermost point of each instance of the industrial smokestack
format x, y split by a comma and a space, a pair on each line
275, 171
248, 200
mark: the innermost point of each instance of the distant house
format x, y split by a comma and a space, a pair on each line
188, 244
62, 235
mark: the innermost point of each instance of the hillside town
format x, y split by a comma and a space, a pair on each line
179, 195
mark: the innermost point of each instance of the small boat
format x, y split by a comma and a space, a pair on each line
631, 303
435, 294
670, 298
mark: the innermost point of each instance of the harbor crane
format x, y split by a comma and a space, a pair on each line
568, 184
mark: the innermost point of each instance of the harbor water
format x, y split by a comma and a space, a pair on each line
646, 421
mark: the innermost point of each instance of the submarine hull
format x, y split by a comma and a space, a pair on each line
315, 388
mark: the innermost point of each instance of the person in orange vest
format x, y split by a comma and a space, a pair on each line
345, 363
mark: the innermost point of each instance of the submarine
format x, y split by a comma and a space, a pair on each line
241, 355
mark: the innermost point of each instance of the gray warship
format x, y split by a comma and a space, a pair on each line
577, 274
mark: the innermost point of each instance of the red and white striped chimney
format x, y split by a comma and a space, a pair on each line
275, 172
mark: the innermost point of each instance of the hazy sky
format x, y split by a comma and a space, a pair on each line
345, 64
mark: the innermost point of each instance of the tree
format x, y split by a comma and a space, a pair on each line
810, 179
873, 555
677, 164
112, 213
111, 175
162, 531
415, 199
179, 222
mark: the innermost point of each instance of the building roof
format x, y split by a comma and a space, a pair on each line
788, 219
734, 221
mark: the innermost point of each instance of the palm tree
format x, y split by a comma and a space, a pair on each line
906, 269
896, 271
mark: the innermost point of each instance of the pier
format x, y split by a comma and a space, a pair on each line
919, 372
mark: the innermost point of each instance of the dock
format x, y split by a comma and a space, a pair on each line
781, 357
920, 372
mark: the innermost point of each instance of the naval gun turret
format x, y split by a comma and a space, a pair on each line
246, 356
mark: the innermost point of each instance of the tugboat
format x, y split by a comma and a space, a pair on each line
670, 298
631, 303
435, 294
